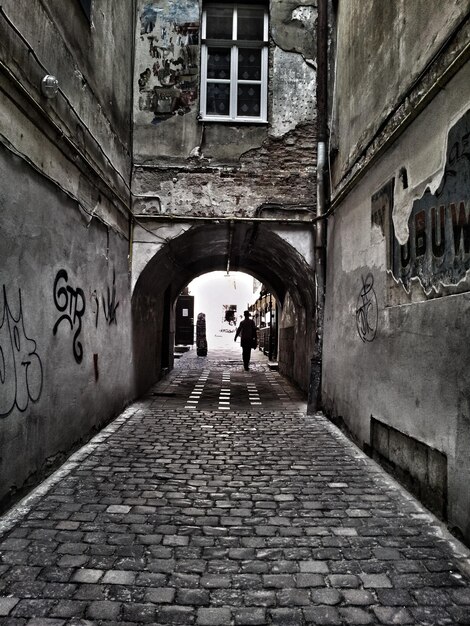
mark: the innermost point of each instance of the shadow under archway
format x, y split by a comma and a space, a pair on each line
251, 248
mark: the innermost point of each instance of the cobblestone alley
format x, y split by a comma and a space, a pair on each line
216, 501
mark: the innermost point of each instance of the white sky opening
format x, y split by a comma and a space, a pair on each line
213, 292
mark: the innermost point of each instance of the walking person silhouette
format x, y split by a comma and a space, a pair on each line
248, 338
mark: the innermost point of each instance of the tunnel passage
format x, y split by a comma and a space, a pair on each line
269, 252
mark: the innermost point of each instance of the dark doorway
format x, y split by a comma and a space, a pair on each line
166, 328
184, 321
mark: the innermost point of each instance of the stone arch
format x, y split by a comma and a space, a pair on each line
266, 251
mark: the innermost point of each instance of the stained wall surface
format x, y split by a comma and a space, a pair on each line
396, 358
375, 73
65, 344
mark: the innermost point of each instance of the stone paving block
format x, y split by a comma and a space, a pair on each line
87, 575
326, 596
194, 597
432, 616
214, 617
393, 615
355, 615
90, 592
33, 608
160, 595
214, 581
293, 597
359, 597
69, 608
346, 581
310, 580
376, 581
144, 613
7, 604
460, 596
250, 617
432, 597
118, 577
103, 610
260, 598
285, 617
324, 615
227, 597
314, 567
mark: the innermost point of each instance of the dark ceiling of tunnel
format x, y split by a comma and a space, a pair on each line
250, 248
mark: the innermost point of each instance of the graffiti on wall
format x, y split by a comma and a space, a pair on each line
21, 368
71, 303
21, 371
168, 85
367, 311
438, 247
110, 304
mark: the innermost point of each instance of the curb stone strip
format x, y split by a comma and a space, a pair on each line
24, 506
460, 552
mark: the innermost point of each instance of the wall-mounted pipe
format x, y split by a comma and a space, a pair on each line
314, 396
230, 245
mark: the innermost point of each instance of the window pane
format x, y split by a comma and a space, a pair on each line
218, 99
249, 97
218, 63
219, 24
250, 24
249, 64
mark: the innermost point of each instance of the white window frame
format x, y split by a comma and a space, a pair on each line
234, 44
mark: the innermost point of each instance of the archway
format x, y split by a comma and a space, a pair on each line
269, 252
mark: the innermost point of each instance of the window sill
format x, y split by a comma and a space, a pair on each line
237, 120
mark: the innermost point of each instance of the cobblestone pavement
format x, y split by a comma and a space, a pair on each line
216, 501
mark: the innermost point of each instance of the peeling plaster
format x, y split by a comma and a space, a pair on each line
425, 161
438, 252
293, 26
289, 71
304, 14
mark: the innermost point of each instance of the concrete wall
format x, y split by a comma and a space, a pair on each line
382, 51
398, 289
66, 360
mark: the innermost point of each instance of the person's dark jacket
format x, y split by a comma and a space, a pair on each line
247, 332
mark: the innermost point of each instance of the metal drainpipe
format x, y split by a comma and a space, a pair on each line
314, 396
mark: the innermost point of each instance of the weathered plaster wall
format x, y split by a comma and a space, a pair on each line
91, 112
240, 189
398, 352
66, 363
382, 50
296, 341
184, 166
65, 342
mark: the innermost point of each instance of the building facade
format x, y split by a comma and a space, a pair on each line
224, 163
396, 359
65, 167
